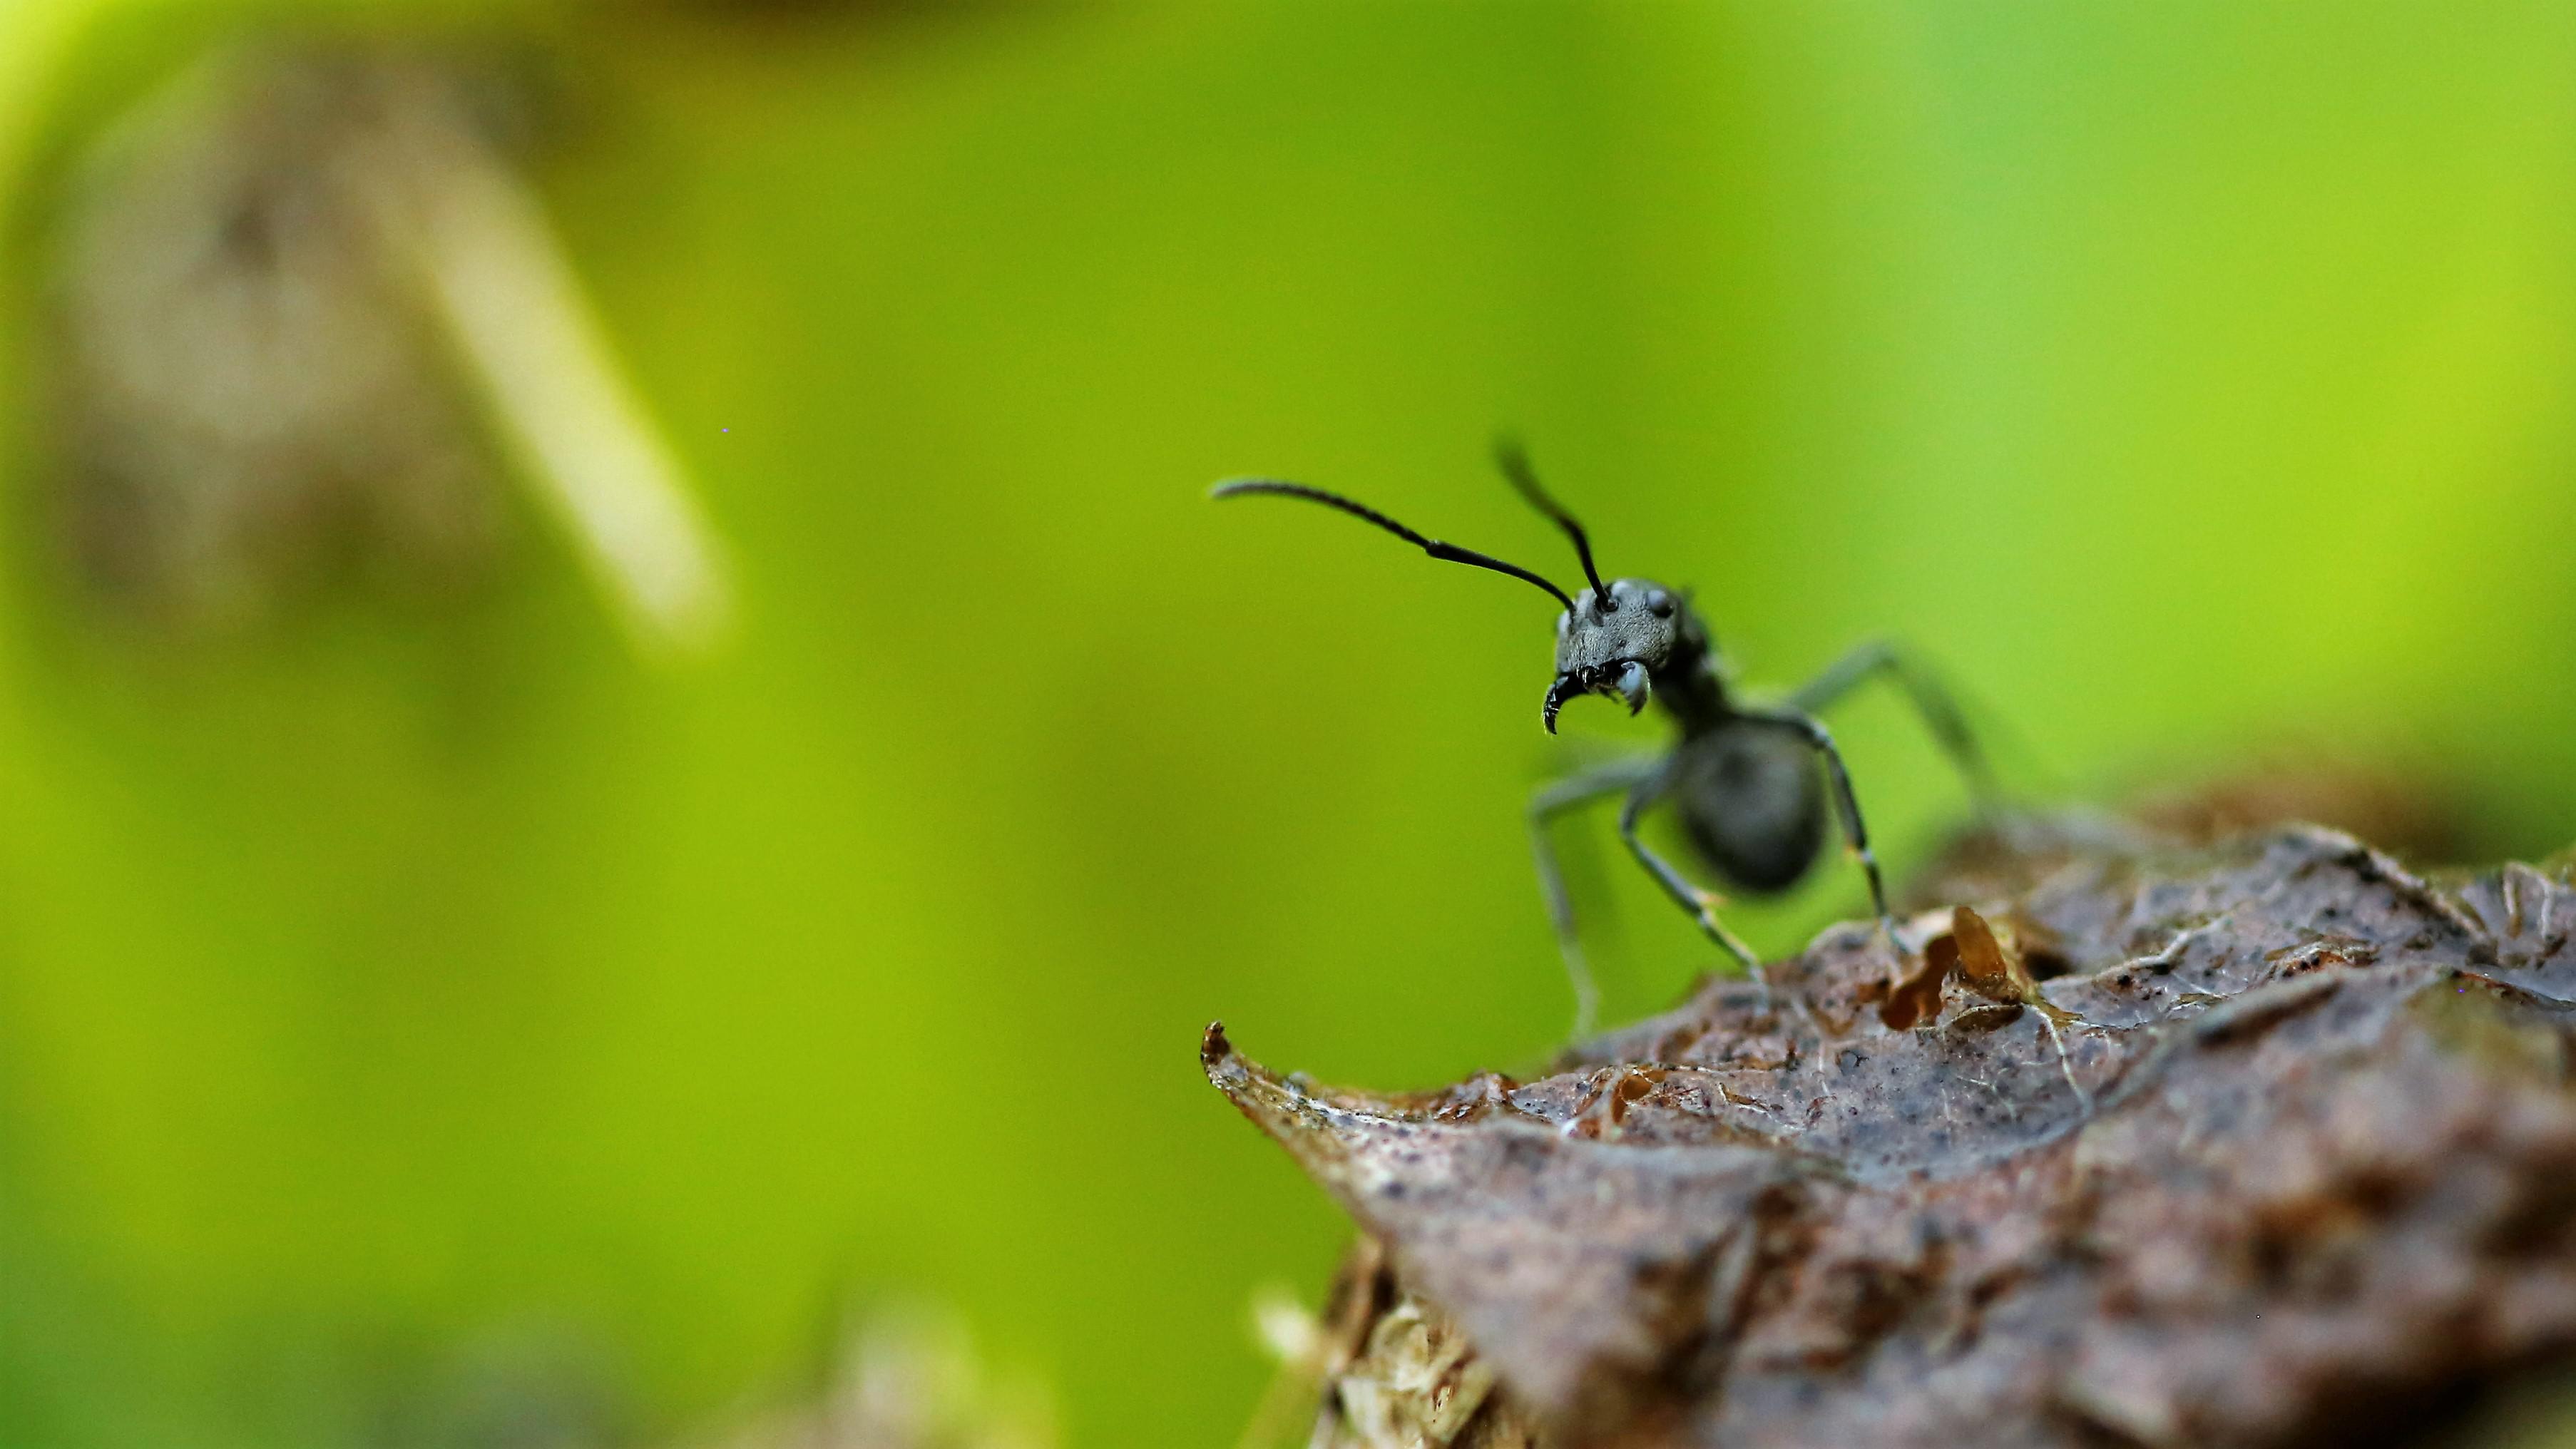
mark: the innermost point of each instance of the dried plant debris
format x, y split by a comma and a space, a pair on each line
1391, 1370
2245, 1144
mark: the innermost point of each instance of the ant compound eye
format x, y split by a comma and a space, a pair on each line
1660, 604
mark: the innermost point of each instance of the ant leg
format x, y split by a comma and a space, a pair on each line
1701, 904
1940, 713
1551, 801
1846, 804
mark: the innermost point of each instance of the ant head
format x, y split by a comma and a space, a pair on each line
1613, 641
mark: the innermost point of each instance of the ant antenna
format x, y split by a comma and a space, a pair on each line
1446, 552
1516, 467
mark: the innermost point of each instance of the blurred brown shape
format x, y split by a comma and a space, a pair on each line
2303, 1161
309, 322
249, 389
2402, 811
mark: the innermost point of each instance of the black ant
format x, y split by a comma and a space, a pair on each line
1743, 778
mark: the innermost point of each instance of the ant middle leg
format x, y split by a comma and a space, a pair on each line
1939, 712
1551, 801
1701, 903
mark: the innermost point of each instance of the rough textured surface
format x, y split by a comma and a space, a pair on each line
2308, 1156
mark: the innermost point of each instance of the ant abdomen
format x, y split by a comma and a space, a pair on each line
1751, 798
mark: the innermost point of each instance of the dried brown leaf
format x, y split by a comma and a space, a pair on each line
2190, 1195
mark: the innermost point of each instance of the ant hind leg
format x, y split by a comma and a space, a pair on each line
1931, 701
1847, 806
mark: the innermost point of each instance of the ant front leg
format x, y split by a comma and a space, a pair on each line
1940, 713
1702, 904
1846, 804
1554, 800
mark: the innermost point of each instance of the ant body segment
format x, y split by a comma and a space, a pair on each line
1743, 778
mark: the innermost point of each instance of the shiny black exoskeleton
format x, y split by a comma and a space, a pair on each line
1749, 783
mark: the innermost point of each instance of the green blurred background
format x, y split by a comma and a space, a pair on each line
399, 986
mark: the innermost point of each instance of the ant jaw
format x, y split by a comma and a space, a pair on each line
1566, 687
1630, 684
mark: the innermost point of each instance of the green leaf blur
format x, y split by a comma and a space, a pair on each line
2192, 381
